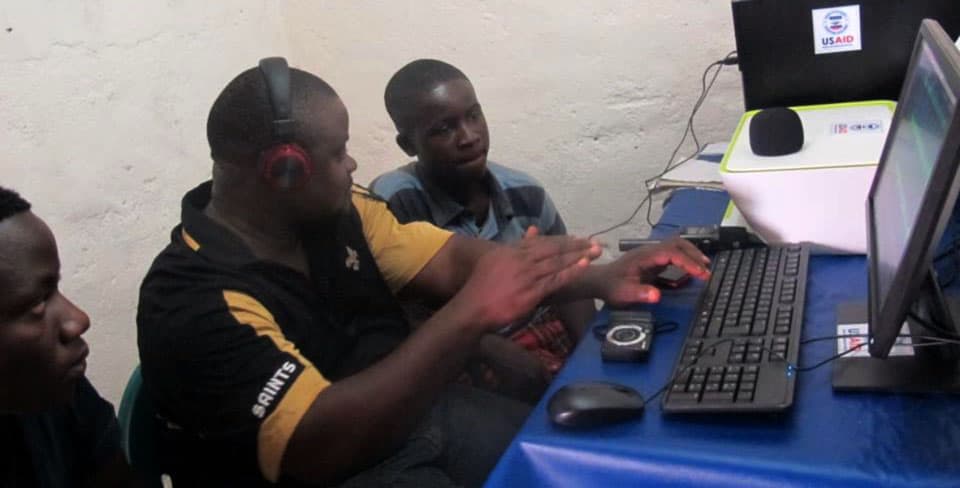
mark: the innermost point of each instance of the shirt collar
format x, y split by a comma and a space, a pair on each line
204, 235
444, 210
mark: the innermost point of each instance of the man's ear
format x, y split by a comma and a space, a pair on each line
404, 142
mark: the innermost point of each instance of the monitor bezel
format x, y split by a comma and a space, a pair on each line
886, 318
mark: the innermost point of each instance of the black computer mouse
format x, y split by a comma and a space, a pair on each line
594, 403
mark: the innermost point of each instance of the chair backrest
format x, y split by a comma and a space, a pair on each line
138, 436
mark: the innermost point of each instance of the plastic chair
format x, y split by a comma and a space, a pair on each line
138, 436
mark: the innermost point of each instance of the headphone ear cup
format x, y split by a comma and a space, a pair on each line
286, 166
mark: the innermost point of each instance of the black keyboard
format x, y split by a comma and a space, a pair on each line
745, 332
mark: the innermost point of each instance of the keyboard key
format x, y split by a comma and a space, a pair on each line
689, 397
719, 397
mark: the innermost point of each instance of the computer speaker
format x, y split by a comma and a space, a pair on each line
776, 131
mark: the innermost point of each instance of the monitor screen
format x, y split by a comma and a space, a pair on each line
928, 109
915, 187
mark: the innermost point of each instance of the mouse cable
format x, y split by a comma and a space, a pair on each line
729, 59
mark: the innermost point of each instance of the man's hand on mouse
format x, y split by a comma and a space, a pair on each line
628, 279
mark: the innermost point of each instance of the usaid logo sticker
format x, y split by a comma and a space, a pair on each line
836, 22
857, 127
836, 29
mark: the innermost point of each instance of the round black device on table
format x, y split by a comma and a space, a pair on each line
628, 336
776, 132
594, 403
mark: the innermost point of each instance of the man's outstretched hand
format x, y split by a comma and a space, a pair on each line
627, 280
509, 281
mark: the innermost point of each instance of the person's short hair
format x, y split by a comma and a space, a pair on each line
410, 82
240, 123
11, 203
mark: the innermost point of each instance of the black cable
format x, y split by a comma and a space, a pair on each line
705, 89
825, 361
939, 340
827, 338
680, 371
666, 327
934, 327
658, 393
625, 222
952, 251
949, 252
936, 341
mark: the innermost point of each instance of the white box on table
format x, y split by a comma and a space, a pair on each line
819, 193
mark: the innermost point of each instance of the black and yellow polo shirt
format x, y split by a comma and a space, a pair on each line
234, 350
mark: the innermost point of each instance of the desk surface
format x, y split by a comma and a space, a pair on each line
827, 438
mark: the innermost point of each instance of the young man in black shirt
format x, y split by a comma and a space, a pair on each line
56, 430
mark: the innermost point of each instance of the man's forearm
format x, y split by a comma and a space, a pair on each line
356, 421
593, 284
576, 316
449, 269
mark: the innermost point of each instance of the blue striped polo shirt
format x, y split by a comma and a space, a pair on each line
517, 202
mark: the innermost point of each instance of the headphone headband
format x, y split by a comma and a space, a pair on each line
284, 164
276, 74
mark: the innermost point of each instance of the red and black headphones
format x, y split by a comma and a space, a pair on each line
284, 164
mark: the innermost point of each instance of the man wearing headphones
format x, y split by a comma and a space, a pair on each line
270, 334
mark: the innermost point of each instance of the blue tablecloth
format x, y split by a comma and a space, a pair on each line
827, 438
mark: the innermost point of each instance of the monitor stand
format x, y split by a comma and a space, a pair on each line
930, 369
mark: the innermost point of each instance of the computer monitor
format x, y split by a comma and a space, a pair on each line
777, 42
910, 202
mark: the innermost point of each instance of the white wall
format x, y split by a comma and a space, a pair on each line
104, 103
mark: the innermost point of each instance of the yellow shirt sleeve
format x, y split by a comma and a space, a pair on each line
276, 430
401, 250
